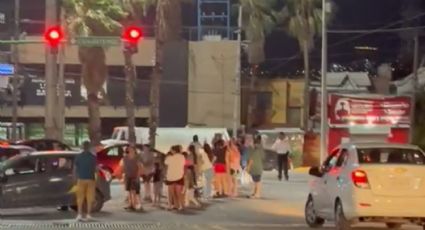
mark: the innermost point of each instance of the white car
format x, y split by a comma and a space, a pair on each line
368, 182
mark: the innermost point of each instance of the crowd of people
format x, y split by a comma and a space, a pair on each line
193, 175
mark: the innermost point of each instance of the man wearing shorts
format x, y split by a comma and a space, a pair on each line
85, 170
255, 165
131, 169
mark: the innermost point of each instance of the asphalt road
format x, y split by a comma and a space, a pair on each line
281, 208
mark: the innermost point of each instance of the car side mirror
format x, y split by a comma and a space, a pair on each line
315, 171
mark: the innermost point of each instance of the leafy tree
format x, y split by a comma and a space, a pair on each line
168, 27
258, 20
303, 21
93, 18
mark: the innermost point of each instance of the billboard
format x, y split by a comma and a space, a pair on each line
369, 110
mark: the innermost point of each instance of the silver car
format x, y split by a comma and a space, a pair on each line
44, 179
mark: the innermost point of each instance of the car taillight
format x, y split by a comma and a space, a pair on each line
102, 174
360, 180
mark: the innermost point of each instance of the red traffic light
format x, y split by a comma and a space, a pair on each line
53, 36
132, 34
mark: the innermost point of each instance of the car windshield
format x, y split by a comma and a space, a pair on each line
115, 134
391, 156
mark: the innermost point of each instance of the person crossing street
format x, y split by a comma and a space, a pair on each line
282, 149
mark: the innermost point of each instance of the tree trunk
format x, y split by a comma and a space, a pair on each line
306, 114
130, 76
93, 74
154, 95
252, 96
94, 126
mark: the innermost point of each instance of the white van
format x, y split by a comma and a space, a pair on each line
167, 137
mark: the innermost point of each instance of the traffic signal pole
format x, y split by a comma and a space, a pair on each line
50, 120
15, 75
131, 37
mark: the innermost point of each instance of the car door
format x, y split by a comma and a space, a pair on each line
22, 186
335, 180
110, 158
324, 193
59, 178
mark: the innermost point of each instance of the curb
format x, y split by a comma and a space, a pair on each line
303, 170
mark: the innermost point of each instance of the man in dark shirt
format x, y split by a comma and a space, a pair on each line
85, 170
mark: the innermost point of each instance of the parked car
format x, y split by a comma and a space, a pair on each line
7, 152
44, 179
368, 182
44, 144
110, 156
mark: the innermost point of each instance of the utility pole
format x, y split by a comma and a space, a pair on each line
50, 123
415, 83
15, 77
324, 94
237, 105
61, 85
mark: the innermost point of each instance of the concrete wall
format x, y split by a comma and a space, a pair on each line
211, 83
35, 53
173, 92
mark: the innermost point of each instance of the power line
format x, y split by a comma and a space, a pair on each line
376, 31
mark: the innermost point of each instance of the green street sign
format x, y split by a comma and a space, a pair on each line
94, 41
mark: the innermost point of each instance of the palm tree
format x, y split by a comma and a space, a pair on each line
258, 20
304, 22
168, 27
93, 18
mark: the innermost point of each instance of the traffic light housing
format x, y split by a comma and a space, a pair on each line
131, 37
53, 37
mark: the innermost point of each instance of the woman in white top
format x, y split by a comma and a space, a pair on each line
206, 169
175, 162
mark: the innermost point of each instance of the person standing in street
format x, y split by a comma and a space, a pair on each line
282, 149
255, 165
175, 162
131, 168
85, 171
221, 169
234, 167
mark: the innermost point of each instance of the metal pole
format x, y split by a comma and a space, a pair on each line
324, 92
236, 107
414, 88
61, 86
15, 77
51, 77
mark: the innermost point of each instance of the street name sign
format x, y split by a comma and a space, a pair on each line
95, 41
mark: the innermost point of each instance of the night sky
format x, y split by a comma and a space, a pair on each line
352, 14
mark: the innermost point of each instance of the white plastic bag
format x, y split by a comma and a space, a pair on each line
246, 179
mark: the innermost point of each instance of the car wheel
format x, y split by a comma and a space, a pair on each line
312, 220
341, 223
393, 225
97, 204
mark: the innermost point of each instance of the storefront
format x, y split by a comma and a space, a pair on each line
368, 118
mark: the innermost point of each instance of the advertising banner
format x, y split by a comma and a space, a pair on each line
369, 110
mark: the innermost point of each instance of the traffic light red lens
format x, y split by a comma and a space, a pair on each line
135, 34
132, 34
54, 36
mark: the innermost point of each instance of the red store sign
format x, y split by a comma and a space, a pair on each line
369, 110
